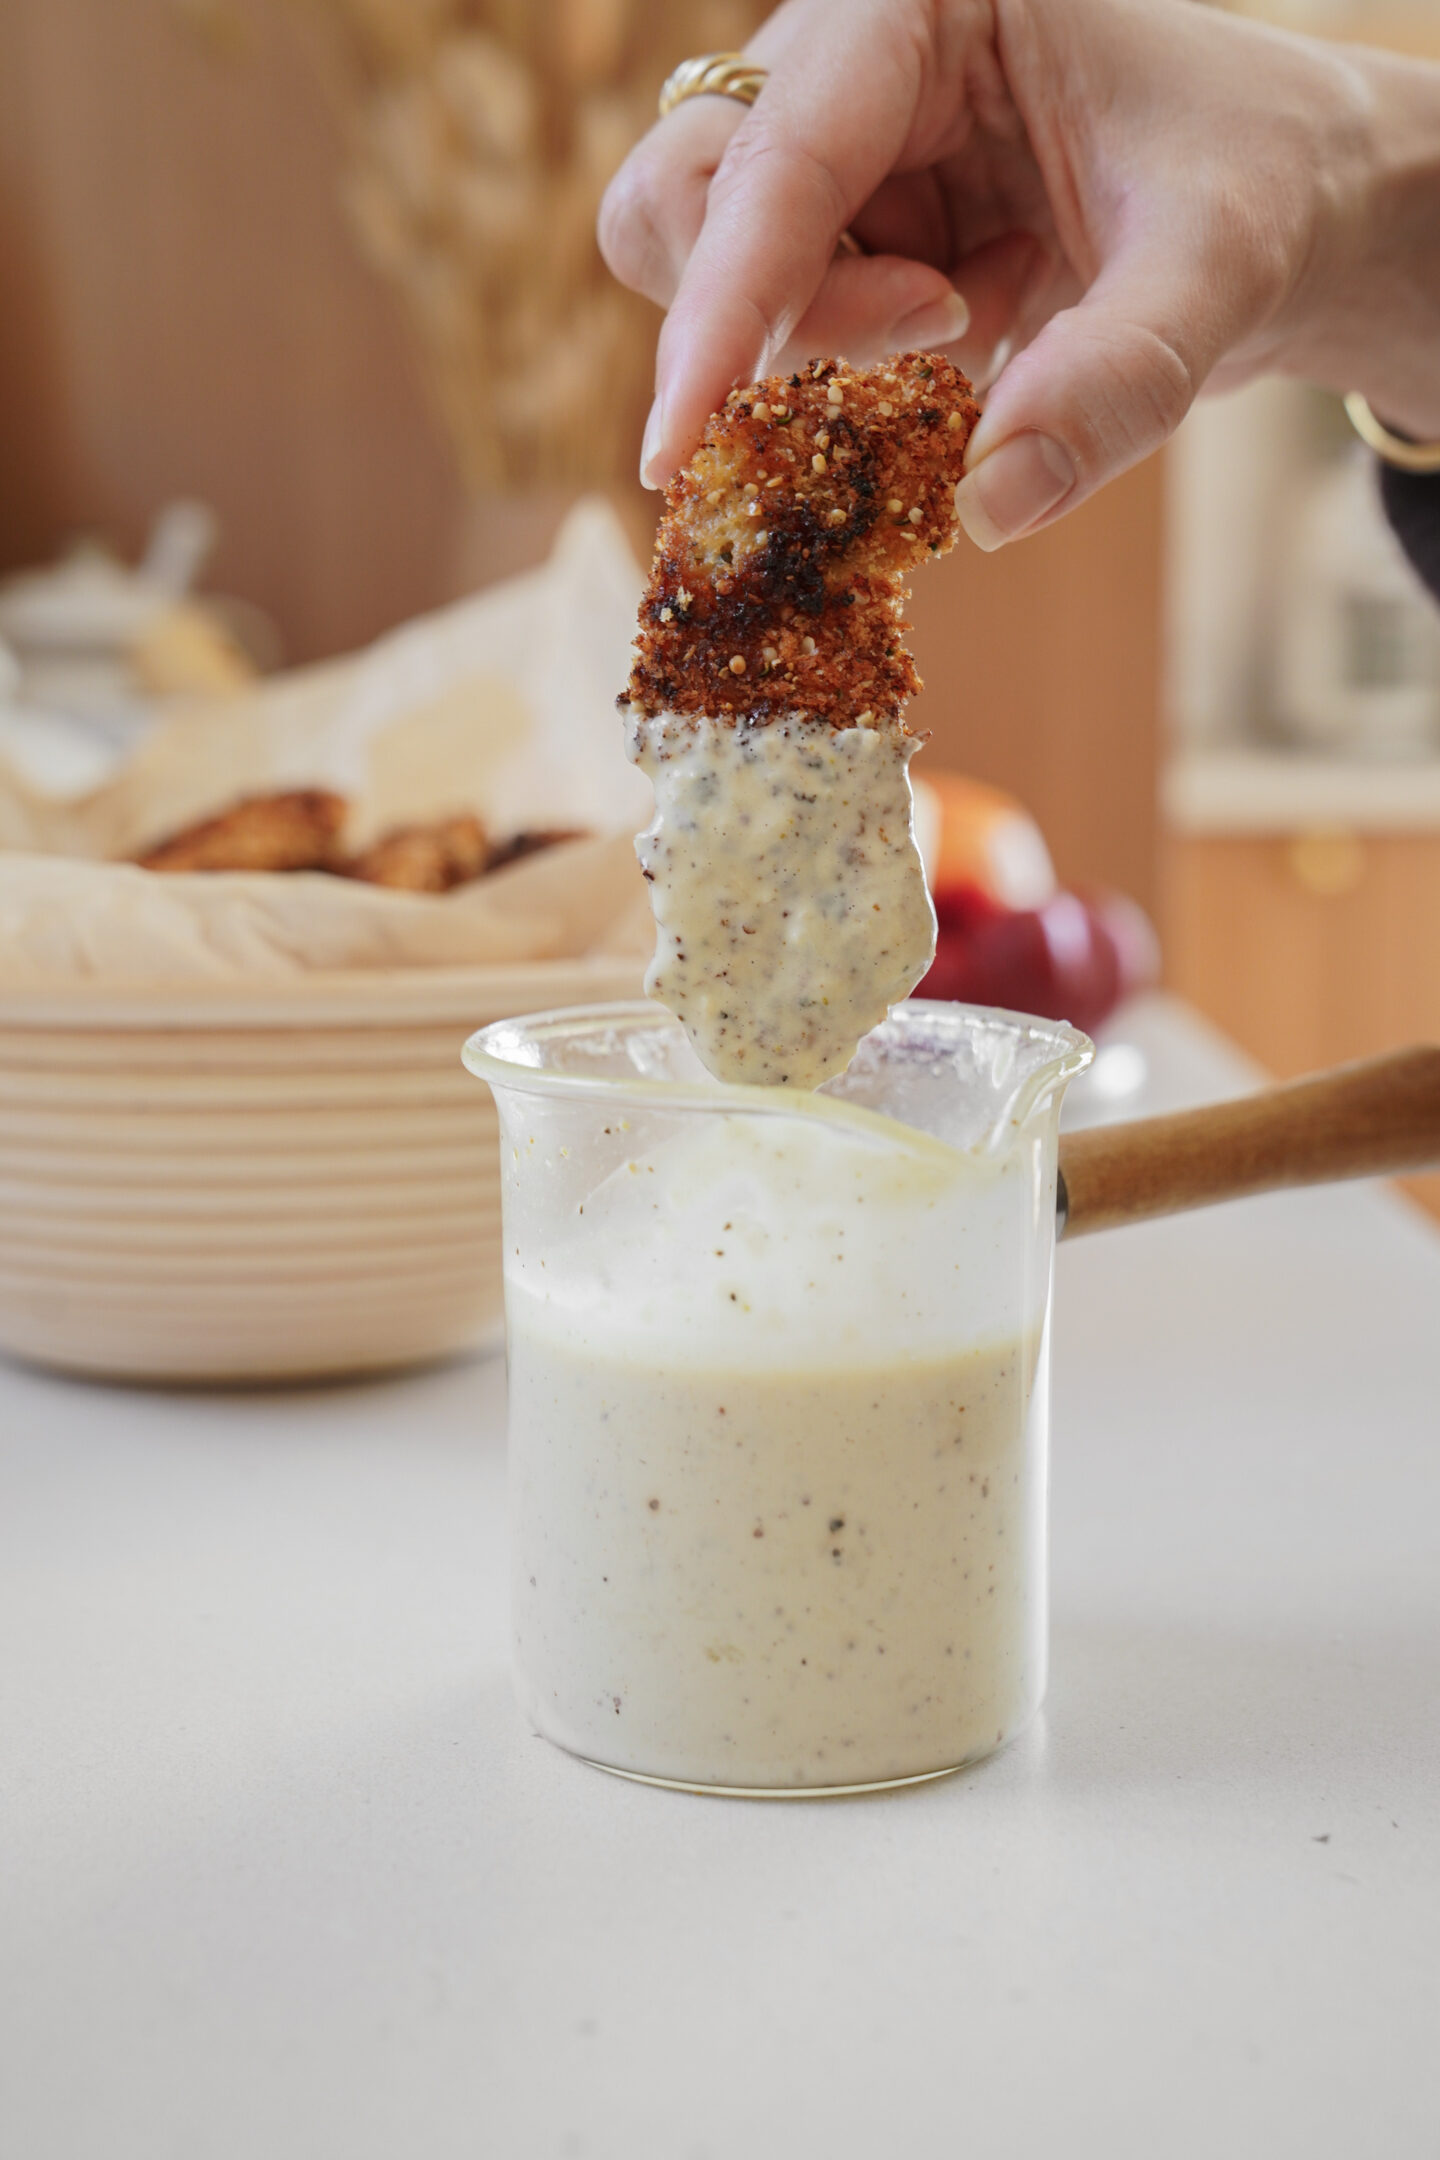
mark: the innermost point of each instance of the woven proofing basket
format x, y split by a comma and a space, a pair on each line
258, 1185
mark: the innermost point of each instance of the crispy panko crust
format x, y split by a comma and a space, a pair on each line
295, 831
426, 858
778, 578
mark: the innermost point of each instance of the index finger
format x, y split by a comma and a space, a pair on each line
828, 126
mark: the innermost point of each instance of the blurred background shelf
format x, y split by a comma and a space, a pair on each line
1239, 790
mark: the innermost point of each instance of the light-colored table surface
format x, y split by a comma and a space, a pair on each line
284, 1878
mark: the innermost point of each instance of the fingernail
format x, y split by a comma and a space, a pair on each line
1013, 487
649, 448
939, 322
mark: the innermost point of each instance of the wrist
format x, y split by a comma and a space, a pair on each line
1368, 312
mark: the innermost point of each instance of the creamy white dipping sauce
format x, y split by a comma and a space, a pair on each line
781, 1580
790, 903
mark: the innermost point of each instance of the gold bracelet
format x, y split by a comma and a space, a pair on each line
1409, 456
716, 74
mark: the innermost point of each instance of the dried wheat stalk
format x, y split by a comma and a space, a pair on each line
481, 134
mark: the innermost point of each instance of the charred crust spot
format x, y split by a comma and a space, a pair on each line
802, 579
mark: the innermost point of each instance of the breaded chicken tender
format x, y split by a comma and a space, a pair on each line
295, 831
426, 858
778, 577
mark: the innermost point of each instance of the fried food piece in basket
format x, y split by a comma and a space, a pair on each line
521, 844
295, 831
778, 578
426, 858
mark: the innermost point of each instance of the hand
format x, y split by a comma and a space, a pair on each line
1094, 206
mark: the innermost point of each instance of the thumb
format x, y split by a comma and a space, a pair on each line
1101, 386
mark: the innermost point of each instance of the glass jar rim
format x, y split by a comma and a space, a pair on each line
484, 1055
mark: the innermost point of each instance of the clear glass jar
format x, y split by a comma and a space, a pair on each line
778, 1395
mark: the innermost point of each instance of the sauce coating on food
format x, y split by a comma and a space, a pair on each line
790, 904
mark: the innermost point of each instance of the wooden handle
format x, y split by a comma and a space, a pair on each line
1362, 1120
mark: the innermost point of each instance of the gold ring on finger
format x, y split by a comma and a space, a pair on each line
728, 74
720, 74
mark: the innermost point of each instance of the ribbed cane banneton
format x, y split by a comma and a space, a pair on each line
262, 1186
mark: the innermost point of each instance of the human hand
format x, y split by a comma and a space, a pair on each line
1094, 206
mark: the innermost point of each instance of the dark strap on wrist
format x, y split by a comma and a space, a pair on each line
1412, 504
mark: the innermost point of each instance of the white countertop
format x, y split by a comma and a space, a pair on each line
284, 1878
